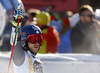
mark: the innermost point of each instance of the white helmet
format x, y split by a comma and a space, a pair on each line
74, 19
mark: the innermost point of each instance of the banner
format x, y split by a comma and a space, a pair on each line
55, 5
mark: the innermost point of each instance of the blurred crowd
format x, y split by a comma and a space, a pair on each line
66, 32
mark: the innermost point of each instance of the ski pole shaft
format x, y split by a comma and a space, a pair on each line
13, 44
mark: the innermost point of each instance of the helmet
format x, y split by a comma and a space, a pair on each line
28, 31
74, 19
43, 18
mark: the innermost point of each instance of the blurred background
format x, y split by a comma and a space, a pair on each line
55, 5
61, 15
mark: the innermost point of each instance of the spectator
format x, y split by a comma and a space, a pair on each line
84, 34
65, 42
57, 24
31, 15
50, 35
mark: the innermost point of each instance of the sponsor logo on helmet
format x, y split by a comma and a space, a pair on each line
23, 33
35, 28
37, 32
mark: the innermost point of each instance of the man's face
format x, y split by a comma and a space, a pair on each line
34, 47
87, 17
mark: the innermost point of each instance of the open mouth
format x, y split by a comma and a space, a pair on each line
35, 46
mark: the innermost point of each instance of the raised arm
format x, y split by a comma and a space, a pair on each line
18, 53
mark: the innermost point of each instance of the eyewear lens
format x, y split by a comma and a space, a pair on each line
35, 38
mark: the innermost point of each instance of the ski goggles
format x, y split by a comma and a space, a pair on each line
34, 38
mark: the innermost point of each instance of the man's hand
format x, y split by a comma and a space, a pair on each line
18, 13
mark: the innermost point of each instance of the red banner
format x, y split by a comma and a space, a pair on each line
57, 5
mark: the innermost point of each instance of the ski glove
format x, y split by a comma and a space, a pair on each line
15, 24
18, 14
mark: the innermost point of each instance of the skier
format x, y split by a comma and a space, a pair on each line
29, 40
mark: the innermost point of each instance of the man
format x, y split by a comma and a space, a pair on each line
84, 34
50, 35
31, 15
24, 55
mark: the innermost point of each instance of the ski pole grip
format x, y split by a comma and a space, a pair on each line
18, 20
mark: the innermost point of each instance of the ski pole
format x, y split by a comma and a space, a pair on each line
13, 43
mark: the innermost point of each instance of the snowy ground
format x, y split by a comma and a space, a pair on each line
61, 63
